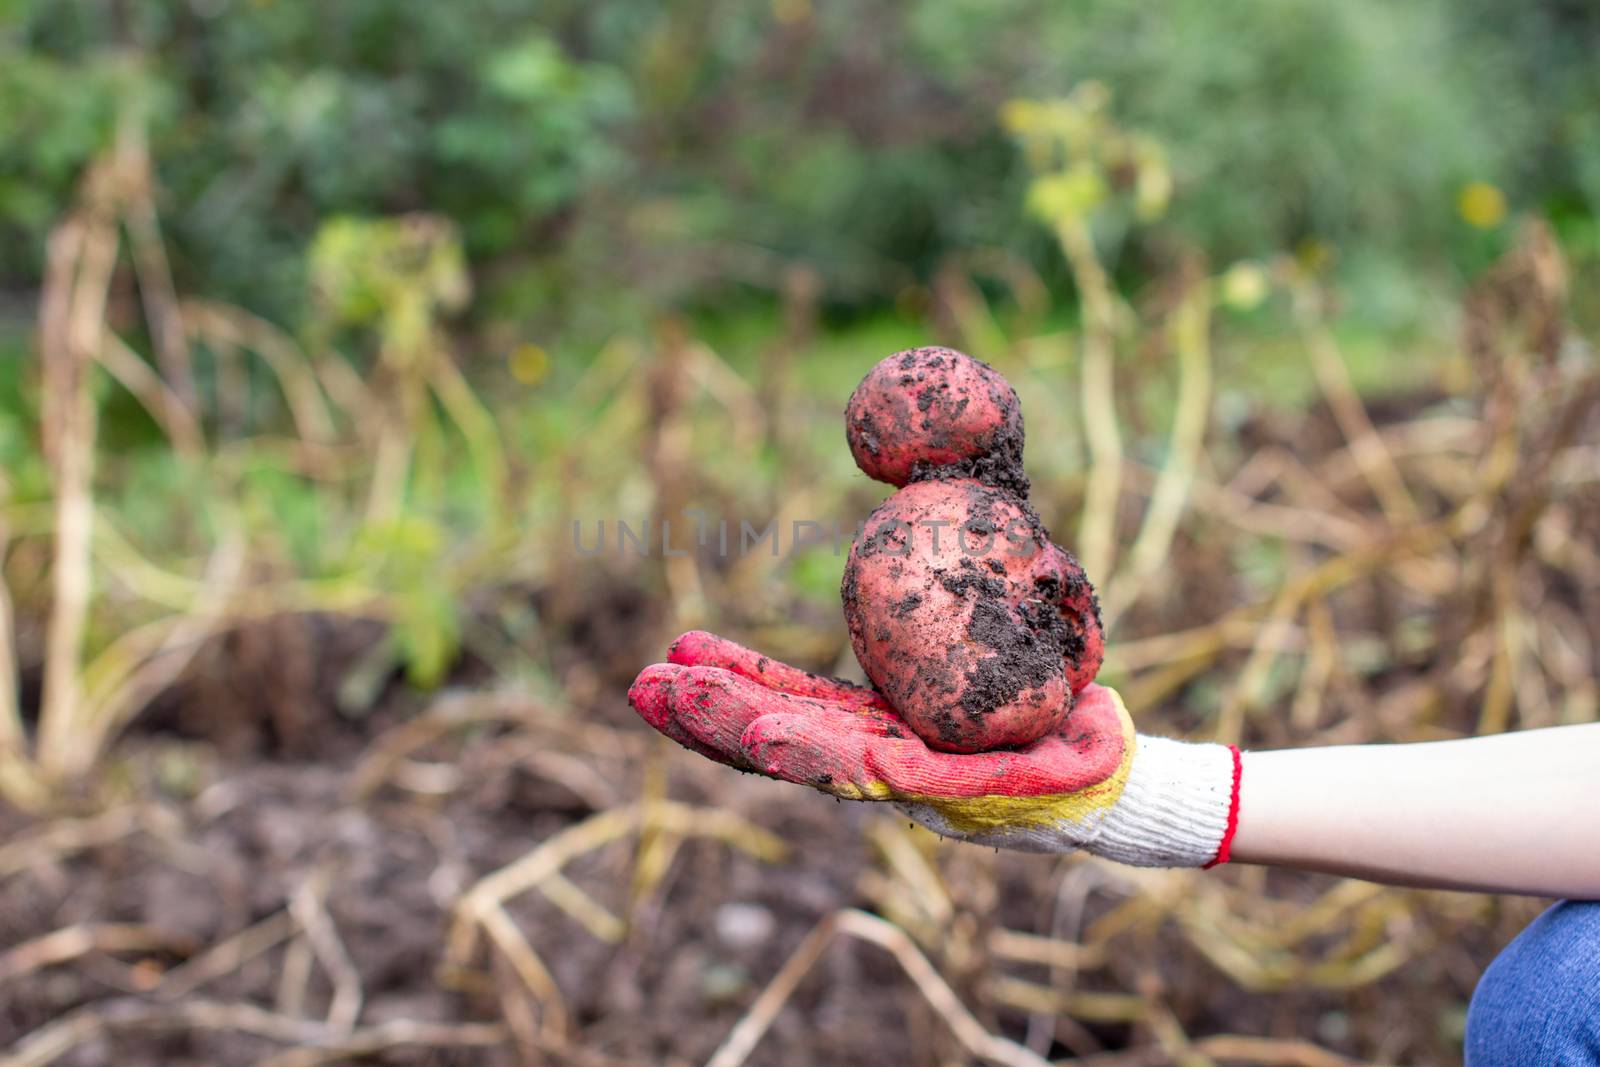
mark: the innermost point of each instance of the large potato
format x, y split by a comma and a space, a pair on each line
930, 408
975, 627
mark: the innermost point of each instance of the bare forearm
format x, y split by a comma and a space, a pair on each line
1517, 813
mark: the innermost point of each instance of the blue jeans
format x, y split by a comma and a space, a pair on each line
1538, 1004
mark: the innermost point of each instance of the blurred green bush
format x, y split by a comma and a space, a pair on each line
606, 159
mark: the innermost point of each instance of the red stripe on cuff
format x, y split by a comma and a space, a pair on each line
1233, 813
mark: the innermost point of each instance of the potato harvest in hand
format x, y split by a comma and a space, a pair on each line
961, 611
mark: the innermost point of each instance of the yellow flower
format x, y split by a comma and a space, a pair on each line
1481, 205
1244, 286
790, 12
528, 363
1019, 116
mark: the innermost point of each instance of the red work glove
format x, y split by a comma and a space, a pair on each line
1094, 785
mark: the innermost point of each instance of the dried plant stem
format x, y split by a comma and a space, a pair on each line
82, 255
165, 407
13, 740
149, 254
72, 942
227, 956
1269, 1051
656, 846
598, 830
965, 304
583, 909
972, 1035
391, 466
1501, 694
1289, 522
556, 1021
142, 662
1191, 339
1320, 665
748, 419
1366, 446
1246, 693
747, 1033
399, 412
482, 435
448, 714
1025, 947
163, 588
293, 977
323, 937
918, 880
481, 908
66, 837
234, 328
1097, 529
1092, 1007
54, 1040
1229, 1048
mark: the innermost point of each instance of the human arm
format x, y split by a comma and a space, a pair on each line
1511, 813
1517, 813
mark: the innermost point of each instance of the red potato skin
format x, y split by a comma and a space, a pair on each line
980, 641
1080, 609
928, 408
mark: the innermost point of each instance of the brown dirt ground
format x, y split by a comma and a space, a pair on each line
226, 832
238, 792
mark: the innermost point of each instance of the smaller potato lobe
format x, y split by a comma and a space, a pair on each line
930, 408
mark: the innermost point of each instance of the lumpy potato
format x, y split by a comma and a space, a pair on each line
966, 618
963, 614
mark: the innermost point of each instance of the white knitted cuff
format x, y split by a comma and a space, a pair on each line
1178, 808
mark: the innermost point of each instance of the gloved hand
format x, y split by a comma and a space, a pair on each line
1095, 785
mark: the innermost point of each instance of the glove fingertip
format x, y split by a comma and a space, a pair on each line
651, 694
690, 649
657, 698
